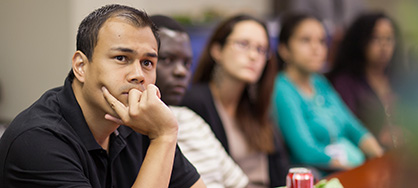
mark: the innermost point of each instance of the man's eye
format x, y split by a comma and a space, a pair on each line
164, 60
120, 58
147, 63
188, 64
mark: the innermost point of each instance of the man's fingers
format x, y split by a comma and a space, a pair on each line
114, 119
117, 106
153, 90
133, 100
158, 92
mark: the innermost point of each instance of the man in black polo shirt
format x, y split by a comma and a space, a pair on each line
106, 127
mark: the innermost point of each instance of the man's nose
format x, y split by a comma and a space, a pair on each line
180, 69
136, 75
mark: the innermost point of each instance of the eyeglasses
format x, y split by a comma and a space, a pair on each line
244, 45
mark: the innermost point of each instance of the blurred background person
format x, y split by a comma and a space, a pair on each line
195, 138
318, 128
335, 15
363, 74
231, 90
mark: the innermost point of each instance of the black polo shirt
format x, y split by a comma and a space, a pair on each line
50, 145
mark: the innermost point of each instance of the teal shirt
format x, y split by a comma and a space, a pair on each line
309, 124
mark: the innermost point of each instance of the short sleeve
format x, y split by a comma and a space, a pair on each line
41, 158
184, 173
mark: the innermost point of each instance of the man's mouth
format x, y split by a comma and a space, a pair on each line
178, 89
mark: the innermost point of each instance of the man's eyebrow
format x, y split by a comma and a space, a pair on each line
151, 54
128, 50
167, 54
122, 49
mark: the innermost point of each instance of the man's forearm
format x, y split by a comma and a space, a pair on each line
158, 163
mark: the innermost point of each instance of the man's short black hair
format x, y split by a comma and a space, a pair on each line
88, 30
162, 21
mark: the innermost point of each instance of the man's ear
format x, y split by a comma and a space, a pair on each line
283, 52
78, 65
215, 52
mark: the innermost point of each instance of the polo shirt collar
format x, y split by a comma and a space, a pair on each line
72, 113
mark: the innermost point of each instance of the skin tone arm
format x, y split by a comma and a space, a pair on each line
142, 114
371, 147
336, 164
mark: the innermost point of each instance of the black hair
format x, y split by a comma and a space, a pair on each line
351, 54
88, 30
289, 22
162, 21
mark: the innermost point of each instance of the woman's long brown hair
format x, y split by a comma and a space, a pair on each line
253, 108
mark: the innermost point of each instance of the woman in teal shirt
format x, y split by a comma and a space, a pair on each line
318, 128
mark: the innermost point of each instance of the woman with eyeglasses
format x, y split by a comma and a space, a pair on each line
231, 90
363, 74
318, 128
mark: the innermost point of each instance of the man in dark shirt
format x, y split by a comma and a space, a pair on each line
106, 127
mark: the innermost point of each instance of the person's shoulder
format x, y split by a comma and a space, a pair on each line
186, 117
282, 82
198, 88
180, 110
45, 113
284, 87
47, 102
48, 123
321, 81
46, 108
197, 94
344, 78
23, 133
281, 77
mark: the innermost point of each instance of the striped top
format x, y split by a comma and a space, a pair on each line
200, 146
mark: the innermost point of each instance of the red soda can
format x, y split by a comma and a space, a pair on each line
299, 178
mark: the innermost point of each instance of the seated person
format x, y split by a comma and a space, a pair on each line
363, 74
231, 91
318, 128
195, 138
106, 127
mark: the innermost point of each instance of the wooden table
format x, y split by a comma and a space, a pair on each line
380, 172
